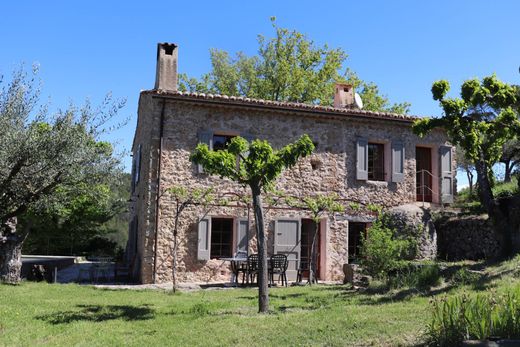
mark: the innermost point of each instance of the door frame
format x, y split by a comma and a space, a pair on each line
430, 179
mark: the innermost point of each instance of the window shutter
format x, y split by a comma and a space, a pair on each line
446, 175
362, 159
397, 162
204, 245
137, 172
242, 236
206, 137
132, 183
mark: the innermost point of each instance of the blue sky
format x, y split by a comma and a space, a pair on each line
86, 49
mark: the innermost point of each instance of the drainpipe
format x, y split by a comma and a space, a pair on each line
158, 195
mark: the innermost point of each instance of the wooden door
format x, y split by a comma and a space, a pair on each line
287, 240
423, 162
308, 230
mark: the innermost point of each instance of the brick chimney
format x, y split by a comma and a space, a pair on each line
343, 95
166, 75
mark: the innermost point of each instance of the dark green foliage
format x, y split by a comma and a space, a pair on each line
78, 216
414, 275
463, 276
288, 67
383, 251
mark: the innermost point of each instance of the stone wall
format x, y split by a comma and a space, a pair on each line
465, 237
416, 223
330, 169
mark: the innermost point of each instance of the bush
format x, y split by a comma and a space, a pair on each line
465, 277
479, 317
382, 250
421, 276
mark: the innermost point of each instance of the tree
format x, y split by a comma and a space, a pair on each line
288, 67
184, 198
258, 167
39, 153
510, 157
480, 122
73, 221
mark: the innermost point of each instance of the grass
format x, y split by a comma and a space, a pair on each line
333, 315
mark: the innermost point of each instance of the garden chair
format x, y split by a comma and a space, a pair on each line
239, 265
251, 268
304, 270
278, 267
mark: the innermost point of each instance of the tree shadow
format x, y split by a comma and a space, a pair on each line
99, 313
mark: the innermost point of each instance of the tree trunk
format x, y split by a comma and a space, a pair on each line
501, 222
10, 253
509, 168
312, 263
470, 181
263, 295
174, 252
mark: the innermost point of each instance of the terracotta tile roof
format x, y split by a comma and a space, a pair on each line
239, 100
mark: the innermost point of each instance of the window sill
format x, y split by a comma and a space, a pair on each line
377, 183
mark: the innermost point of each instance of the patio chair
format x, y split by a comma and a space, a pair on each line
239, 266
303, 270
251, 268
278, 267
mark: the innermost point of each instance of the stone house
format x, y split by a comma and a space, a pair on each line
362, 156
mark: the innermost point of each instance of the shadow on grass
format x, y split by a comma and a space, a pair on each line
98, 313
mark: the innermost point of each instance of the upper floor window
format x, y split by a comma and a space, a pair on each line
376, 161
221, 142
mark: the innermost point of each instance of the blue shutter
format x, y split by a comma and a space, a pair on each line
205, 136
446, 175
242, 236
204, 239
398, 162
137, 168
362, 159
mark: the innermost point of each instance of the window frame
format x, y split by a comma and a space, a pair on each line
379, 176
215, 220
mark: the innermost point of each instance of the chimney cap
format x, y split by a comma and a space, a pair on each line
344, 85
166, 46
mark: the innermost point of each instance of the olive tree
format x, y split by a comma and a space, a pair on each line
257, 165
41, 152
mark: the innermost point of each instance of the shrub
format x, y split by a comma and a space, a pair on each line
421, 276
465, 277
479, 317
382, 250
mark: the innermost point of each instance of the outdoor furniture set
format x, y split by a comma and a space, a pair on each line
248, 266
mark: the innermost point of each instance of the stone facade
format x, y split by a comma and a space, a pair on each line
168, 129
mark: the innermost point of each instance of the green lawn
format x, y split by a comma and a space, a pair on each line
64, 315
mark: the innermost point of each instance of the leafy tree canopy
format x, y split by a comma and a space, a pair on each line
39, 153
288, 67
481, 121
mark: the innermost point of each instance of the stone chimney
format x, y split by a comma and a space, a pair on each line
343, 95
166, 75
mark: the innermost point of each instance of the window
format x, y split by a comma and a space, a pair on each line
221, 237
376, 162
221, 142
356, 232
